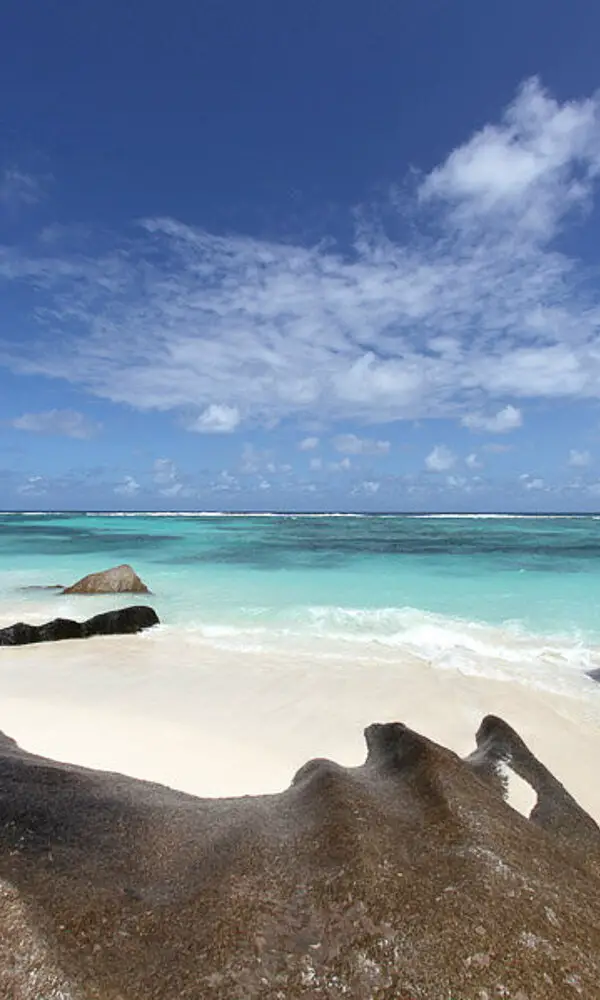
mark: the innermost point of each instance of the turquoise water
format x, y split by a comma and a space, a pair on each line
473, 586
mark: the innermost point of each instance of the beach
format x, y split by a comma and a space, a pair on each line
216, 723
219, 705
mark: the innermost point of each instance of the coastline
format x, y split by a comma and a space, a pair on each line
180, 711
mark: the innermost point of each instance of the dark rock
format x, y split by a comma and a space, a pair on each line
120, 622
595, 674
116, 580
19, 634
408, 878
60, 628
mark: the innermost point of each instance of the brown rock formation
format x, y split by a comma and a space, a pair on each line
116, 580
408, 878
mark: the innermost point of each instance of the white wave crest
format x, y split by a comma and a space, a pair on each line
556, 663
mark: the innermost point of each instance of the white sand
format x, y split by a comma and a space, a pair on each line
176, 710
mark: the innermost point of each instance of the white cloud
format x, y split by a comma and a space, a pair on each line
164, 472
174, 490
128, 488
368, 487
341, 466
351, 444
254, 459
216, 419
534, 484
19, 188
473, 462
167, 478
458, 483
579, 459
509, 174
530, 483
69, 423
440, 459
486, 308
315, 464
309, 444
34, 486
507, 419
225, 483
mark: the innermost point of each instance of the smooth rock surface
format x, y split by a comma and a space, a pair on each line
408, 878
123, 621
116, 580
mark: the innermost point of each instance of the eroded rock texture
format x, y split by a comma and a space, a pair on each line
123, 621
408, 877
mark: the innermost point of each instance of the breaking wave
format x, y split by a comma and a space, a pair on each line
553, 662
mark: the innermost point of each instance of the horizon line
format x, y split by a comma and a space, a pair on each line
301, 513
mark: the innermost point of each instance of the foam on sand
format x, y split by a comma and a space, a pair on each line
213, 722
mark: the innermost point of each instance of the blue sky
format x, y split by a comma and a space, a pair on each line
268, 255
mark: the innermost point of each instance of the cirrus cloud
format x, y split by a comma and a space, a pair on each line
69, 423
17, 187
33, 486
483, 314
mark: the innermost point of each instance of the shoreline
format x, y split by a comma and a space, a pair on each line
213, 722
557, 663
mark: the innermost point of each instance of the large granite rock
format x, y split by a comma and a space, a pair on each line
119, 622
116, 580
408, 878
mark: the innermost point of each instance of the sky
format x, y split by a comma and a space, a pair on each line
338, 255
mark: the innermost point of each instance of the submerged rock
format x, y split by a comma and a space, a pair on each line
49, 586
122, 621
116, 580
407, 878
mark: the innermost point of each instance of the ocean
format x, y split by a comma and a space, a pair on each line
504, 596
